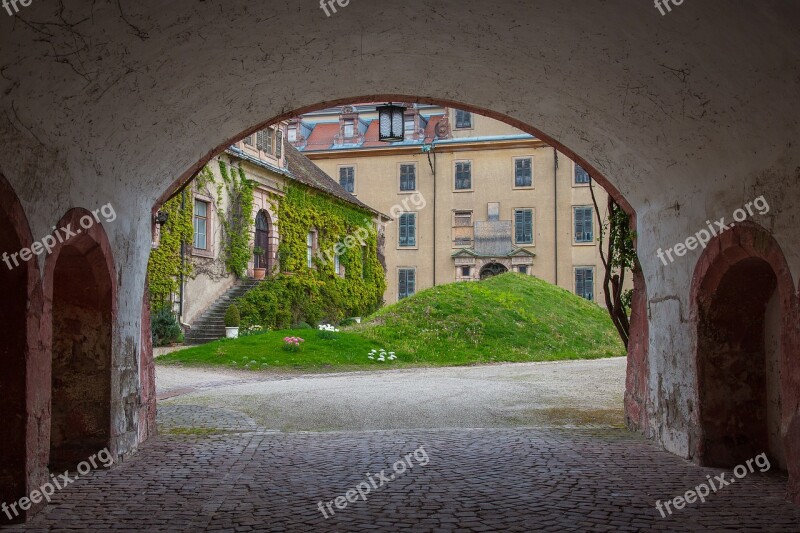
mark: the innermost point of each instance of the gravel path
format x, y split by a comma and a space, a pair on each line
561, 394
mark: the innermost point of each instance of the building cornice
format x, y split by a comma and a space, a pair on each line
449, 147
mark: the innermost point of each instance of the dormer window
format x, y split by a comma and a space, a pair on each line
349, 129
292, 133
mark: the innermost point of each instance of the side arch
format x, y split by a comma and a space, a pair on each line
21, 464
80, 300
744, 307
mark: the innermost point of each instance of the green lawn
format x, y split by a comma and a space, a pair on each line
509, 318
263, 351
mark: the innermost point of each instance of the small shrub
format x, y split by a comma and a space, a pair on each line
164, 327
302, 325
292, 344
232, 317
347, 322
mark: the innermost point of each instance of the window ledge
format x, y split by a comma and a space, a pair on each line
202, 253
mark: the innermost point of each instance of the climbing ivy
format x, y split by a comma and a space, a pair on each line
317, 293
237, 222
164, 266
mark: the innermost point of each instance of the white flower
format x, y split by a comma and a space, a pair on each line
370, 357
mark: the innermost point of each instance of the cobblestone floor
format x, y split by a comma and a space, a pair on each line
475, 480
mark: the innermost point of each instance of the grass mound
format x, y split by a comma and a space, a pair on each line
511, 317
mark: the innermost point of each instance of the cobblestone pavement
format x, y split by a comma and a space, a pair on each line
476, 480
216, 468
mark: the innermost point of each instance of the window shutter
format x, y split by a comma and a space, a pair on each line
279, 144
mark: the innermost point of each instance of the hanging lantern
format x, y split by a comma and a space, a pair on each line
390, 119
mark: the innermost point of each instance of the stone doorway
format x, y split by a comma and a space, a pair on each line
493, 269
263, 242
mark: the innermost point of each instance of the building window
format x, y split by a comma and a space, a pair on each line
523, 172
292, 133
523, 269
581, 176
463, 175
407, 284
347, 178
584, 282
466, 272
337, 264
463, 230
463, 119
349, 129
201, 225
408, 177
523, 226
310, 249
249, 141
408, 230
584, 228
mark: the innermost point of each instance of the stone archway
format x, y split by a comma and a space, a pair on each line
744, 303
80, 287
263, 240
493, 269
16, 312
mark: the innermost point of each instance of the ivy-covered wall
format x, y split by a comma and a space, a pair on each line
164, 266
298, 294
237, 221
319, 293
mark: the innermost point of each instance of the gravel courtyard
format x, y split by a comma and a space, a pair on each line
574, 393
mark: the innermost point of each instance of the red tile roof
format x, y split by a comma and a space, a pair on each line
322, 136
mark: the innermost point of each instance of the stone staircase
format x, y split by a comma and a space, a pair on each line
211, 324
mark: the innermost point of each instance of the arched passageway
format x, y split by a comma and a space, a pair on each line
733, 364
13, 355
743, 299
82, 314
666, 122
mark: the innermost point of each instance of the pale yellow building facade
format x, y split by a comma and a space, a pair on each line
468, 195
